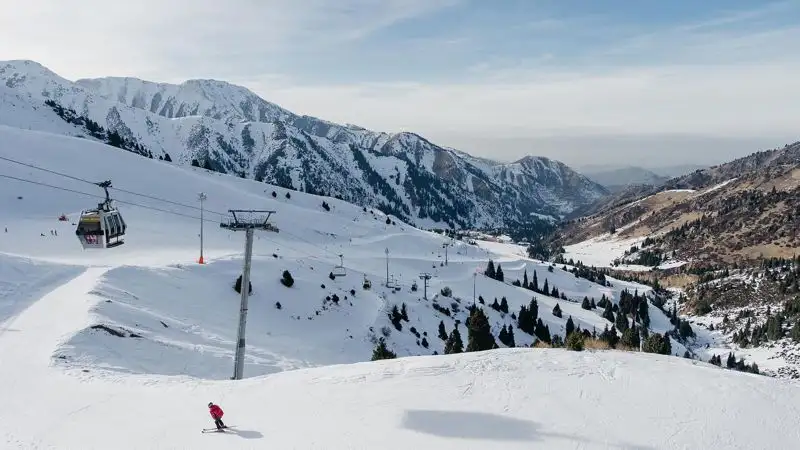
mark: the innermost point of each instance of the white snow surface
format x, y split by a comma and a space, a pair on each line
600, 251
69, 383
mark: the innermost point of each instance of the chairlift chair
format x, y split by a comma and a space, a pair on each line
339, 271
101, 227
367, 283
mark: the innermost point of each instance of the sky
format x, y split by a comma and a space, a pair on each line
617, 82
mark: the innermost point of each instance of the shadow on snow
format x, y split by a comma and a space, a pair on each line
492, 427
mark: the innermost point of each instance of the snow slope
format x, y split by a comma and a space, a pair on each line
309, 329
521, 398
139, 338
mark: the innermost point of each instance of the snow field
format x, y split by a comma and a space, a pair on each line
68, 385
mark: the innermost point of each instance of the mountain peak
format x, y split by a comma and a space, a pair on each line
230, 129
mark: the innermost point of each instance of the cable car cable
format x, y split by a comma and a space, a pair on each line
101, 196
32, 166
154, 208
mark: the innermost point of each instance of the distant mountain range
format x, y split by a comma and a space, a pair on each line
738, 212
227, 128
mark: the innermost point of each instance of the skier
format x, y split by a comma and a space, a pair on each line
216, 414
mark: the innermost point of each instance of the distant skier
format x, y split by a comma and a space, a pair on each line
216, 414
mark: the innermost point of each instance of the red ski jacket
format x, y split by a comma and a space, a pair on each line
216, 412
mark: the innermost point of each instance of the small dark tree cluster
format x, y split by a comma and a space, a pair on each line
634, 305
479, 332
381, 351
526, 319
609, 336
287, 279
501, 307
442, 331
557, 311
454, 343
734, 364
493, 273
542, 331
238, 285
575, 342
396, 317
506, 336
657, 343
441, 309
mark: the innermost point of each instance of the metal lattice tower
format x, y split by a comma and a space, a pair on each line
247, 220
425, 277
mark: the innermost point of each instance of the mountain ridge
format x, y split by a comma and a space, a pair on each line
228, 128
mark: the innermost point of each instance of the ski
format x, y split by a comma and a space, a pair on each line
216, 430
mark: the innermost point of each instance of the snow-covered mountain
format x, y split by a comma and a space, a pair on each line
230, 129
123, 348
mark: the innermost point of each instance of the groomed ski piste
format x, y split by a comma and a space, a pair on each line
123, 348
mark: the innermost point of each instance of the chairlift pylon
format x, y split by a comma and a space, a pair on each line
101, 227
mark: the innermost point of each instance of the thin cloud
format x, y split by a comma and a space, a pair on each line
190, 38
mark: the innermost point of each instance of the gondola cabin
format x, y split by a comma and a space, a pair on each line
98, 228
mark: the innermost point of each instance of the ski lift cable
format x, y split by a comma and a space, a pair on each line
33, 166
60, 188
102, 196
71, 177
73, 191
157, 209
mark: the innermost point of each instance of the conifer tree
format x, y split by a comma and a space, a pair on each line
546, 288
585, 303
593, 304
630, 337
442, 331
534, 286
655, 344
622, 322
454, 343
381, 351
511, 342
403, 312
533, 309
490, 269
557, 311
525, 321
574, 342
607, 313
525, 279
644, 313
570, 327
479, 336
504, 305
542, 332
499, 274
